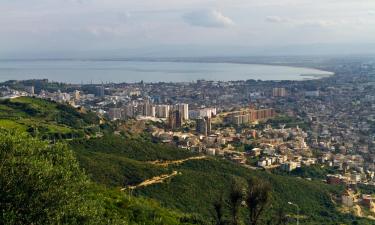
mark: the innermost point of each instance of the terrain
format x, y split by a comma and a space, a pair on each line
126, 179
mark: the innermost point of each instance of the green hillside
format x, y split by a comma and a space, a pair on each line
113, 161
42, 183
45, 118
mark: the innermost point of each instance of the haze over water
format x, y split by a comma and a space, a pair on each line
76, 71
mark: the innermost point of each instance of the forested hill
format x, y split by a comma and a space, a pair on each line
42, 183
199, 182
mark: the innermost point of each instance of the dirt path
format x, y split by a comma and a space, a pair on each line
154, 180
162, 178
358, 211
176, 162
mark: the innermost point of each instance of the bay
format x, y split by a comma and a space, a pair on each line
86, 71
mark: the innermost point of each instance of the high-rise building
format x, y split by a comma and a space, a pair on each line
162, 111
184, 109
175, 120
203, 126
148, 109
279, 92
99, 91
205, 112
129, 111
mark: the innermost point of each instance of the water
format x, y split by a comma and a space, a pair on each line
76, 71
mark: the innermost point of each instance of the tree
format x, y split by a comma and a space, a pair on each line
219, 211
257, 198
42, 183
281, 218
235, 199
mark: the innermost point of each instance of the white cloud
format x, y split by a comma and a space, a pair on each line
303, 23
208, 18
276, 19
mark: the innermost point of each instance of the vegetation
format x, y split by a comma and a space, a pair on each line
288, 122
46, 119
201, 183
314, 172
43, 184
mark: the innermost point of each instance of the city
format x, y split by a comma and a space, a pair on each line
188, 112
276, 126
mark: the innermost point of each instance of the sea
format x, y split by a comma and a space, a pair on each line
107, 71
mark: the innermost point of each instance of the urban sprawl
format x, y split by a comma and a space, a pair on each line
270, 125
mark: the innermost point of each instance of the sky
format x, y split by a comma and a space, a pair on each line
63, 27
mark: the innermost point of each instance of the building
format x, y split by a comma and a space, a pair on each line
114, 113
278, 92
175, 120
77, 95
205, 112
30, 90
162, 111
368, 200
312, 93
129, 111
289, 166
261, 114
334, 179
148, 109
347, 198
184, 109
203, 126
252, 115
99, 91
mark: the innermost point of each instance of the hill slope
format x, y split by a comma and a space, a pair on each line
45, 118
200, 182
42, 183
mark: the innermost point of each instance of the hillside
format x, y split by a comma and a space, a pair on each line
45, 118
200, 182
42, 183
130, 180
116, 161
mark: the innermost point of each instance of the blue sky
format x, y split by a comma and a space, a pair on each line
87, 25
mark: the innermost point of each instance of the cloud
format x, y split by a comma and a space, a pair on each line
302, 23
276, 19
318, 23
208, 18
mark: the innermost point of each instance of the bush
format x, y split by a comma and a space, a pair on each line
42, 184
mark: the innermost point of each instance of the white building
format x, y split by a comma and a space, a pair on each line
205, 112
184, 110
162, 111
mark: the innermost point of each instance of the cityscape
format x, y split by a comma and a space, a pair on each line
261, 125
187, 112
